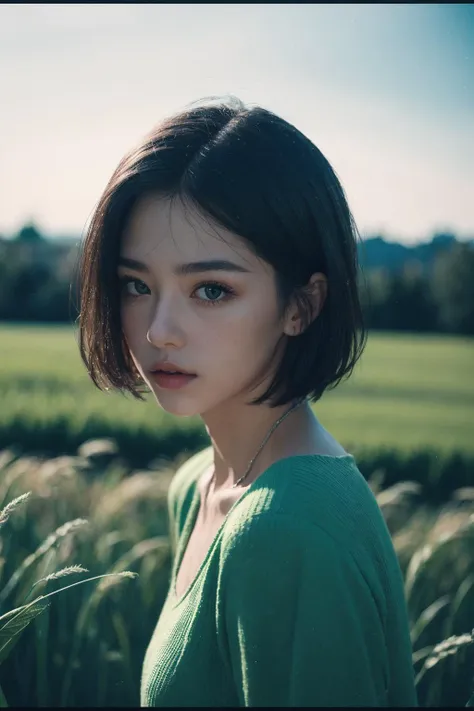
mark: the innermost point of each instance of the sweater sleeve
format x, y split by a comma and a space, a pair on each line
300, 625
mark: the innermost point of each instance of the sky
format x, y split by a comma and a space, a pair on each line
386, 92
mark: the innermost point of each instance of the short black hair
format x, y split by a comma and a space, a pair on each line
258, 176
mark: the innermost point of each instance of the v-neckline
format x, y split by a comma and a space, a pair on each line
193, 513
191, 520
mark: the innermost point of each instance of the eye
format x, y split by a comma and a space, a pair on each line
124, 281
211, 287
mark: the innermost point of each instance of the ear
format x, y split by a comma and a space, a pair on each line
316, 289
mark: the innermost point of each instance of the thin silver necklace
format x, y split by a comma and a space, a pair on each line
272, 429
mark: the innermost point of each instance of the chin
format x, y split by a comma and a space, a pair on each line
174, 403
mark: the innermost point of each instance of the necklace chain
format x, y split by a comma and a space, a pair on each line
272, 429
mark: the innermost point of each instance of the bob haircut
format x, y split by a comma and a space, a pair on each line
248, 170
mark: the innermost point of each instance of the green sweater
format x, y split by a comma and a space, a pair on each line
299, 601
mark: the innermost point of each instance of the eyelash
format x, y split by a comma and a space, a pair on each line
227, 290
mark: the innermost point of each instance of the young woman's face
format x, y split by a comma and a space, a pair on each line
226, 333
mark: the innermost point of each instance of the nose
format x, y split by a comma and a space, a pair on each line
164, 330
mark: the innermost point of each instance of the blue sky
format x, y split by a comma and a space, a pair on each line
385, 91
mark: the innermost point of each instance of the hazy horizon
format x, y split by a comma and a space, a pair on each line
386, 92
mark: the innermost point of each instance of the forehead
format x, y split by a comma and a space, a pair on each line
160, 228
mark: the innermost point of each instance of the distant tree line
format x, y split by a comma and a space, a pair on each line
439, 299
428, 288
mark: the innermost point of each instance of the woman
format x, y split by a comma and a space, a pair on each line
223, 250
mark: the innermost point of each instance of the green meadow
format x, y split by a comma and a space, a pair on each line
408, 391
62, 518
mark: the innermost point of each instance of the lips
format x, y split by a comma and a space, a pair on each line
170, 368
170, 381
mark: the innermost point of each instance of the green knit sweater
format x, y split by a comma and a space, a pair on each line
299, 601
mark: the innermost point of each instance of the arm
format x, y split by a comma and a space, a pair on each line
300, 624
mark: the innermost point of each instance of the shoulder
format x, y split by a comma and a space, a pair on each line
315, 503
313, 491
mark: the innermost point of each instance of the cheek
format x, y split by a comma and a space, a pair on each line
254, 332
130, 327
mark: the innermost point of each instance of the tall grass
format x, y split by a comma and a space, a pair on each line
86, 648
436, 554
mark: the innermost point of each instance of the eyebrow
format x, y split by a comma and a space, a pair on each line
190, 268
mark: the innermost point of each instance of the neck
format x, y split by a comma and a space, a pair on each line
237, 433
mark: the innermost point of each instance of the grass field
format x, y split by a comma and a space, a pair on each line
407, 391
87, 649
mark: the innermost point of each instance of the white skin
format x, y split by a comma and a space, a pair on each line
228, 344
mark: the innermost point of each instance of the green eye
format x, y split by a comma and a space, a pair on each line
124, 281
214, 285
210, 288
